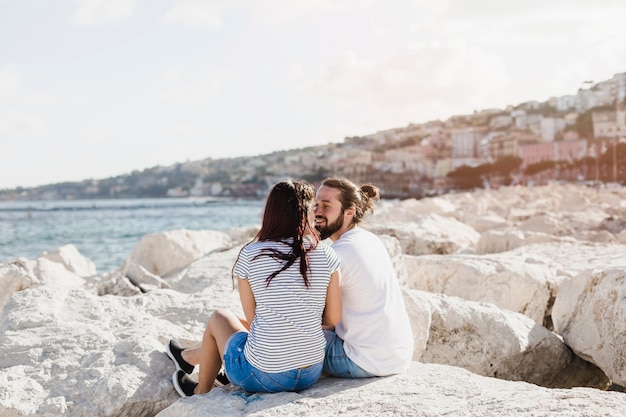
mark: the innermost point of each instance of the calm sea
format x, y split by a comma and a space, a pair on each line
106, 231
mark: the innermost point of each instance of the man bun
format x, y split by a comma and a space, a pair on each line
371, 195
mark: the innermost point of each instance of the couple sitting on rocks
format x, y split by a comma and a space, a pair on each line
309, 307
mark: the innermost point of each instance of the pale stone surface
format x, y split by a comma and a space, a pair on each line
484, 222
590, 313
569, 258
426, 390
242, 235
15, 276
67, 351
513, 282
72, 260
163, 252
410, 210
431, 234
56, 274
493, 342
502, 240
77, 344
144, 279
112, 283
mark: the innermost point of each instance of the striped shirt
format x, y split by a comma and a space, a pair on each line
286, 331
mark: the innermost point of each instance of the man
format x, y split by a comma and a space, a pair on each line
374, 335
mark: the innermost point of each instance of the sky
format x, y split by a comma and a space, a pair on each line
92, 89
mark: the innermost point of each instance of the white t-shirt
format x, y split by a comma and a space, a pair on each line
286, 332
375, 326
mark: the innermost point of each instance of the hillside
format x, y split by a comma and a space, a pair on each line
479, 150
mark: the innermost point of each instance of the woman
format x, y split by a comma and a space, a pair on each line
289, 287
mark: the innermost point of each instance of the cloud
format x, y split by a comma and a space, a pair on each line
192, 88
22, 124
14, 122
282, 11
9, 83
522, 9
200, 13
94, 12
210, 14
423, 77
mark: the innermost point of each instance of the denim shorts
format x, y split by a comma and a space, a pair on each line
241, 373
337, 363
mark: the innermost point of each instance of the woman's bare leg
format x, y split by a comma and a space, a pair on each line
220, 327
193, 356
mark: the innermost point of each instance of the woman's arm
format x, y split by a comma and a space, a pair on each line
333, 308
248, 303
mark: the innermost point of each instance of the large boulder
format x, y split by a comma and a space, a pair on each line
72, 260
493, 342
64, 266
410, 210
569, 258
590, 313
55, 274
513, 282
163, 252
66, 351
426, 390
82, 350
431, 234
15, 276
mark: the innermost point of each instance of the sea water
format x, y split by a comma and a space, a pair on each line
106, 231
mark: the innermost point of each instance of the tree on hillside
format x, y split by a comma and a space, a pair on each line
506, 165
538, 167
583, 125
465, 177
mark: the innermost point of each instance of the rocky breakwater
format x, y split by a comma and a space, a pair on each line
517, 298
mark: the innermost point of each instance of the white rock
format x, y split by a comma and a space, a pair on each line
432, 234
66, 351
55, 274
22, 273
72, 260
15, 276
573, 200
494, 241
163, 252
512, 282
242, 235
569, 258
492, 342
548, 223
590, 313
410, 210
112, 283
482, 223
615, 225
72, 344
426, 390
211, 275
502, 240
143, 279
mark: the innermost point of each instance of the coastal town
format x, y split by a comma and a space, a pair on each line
575, 138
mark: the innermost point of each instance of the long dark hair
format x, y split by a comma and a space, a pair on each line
285, 219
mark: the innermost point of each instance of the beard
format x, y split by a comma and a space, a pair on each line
330, 228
